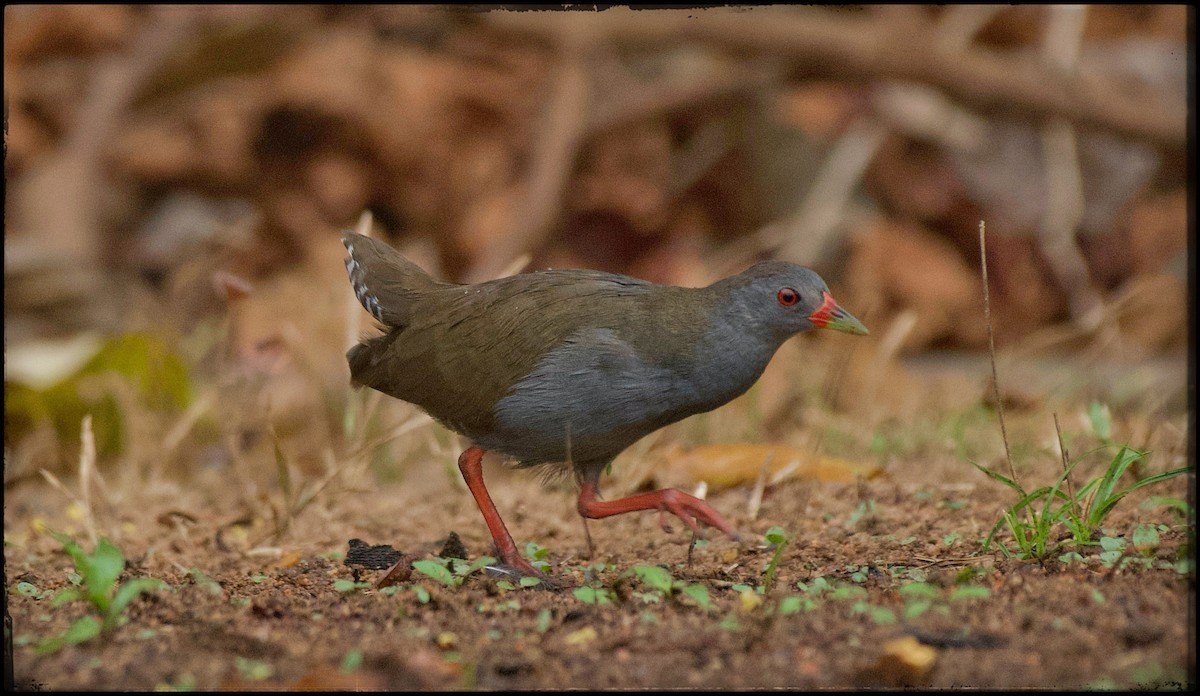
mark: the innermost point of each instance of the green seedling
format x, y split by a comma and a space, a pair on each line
776, 537
1034, 517
253, 670
865, 509
451, 572
204, 581
920, 597
352, 661
880, 615
661, 585
28, 589
537, 556
98, 588
343, 585
593, 595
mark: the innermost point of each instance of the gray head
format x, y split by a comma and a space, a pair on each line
785, 299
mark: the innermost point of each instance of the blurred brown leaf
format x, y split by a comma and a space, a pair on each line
894, 267
726, 465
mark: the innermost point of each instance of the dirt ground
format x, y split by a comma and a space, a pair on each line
882, 583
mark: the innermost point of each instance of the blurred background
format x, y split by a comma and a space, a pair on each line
176, 178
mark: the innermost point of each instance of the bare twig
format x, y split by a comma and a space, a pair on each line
806, 235
1062, 448
554, 152
186, 422
1064, 180
987, 313
869, 47
959, 24
760, 487
87, 473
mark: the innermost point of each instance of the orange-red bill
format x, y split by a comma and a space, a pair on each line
830, 316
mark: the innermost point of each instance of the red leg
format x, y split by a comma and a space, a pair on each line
470, 463
687, 508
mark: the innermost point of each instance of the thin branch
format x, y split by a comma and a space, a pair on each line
861, 46
987, 313
1062, 448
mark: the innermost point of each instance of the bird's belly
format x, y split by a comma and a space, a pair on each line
588, 405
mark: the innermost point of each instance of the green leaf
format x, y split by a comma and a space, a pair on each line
1145, 538
775, 535
918, 589
529, 581
201, 580
1101, 420
655, 577
791, 604
72, 549
477, 565
50, 645
699, 594
253, 670
344, 585
848, 592
352, 661
100, 573
69, 594
1000, 477
881, 615
970, 592
435, 570
84, 629
1104, 499
128, 591
817, 585
914, 609
592, 595
543, 620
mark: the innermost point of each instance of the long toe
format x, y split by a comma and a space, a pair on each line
704, 513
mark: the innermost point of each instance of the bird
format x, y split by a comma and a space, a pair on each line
563, 369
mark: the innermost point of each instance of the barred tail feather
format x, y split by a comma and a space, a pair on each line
383, 280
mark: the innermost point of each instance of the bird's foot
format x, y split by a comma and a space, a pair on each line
690, 509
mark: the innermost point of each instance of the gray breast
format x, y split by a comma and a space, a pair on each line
594, 391
599, 394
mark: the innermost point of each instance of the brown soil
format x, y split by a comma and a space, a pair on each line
274, 619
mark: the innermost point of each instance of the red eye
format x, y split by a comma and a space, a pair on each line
788, 297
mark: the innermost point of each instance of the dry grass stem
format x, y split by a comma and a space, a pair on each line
87, 474
806, 236
187, 421
417, 421
760, 486
987, 315
1066, 462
